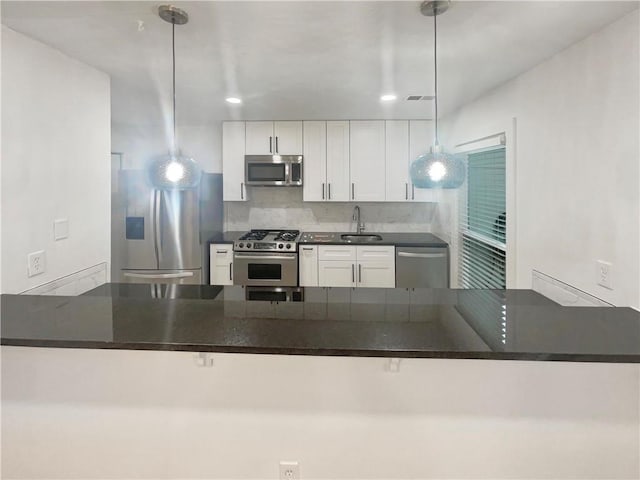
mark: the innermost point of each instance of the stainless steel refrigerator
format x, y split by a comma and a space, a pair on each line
159, 236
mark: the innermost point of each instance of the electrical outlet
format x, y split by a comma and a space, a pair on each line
604, 274
36, 263
289, 471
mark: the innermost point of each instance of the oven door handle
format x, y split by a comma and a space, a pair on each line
292, 256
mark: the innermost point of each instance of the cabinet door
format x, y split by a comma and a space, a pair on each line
367, 152
335, 273
421, 138
233, 187
397, 160
376, 274
221, 264
314, 167
288, 138
308, 265
338, 186
259, 140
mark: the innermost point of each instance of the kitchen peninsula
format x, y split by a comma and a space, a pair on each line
412, 323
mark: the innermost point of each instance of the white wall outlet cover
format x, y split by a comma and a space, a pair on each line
36, 263
289, 470
604, 274
60, 228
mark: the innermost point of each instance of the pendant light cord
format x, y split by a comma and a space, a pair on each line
435, 69
173, 46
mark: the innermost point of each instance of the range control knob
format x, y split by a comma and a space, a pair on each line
280, 245
241, 245
248, 245
288, 245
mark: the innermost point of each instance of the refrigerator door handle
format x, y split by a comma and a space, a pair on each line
155, 226
159, 275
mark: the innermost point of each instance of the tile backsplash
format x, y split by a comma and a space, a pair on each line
273, 207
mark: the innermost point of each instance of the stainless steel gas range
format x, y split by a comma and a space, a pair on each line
266, 258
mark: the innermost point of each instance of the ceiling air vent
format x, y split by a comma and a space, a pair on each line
420, 97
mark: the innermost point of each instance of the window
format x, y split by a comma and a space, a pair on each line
483, 222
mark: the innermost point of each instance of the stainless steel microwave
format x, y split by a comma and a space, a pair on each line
273, 170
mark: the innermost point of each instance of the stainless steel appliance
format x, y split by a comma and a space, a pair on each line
267, 258
422, 267
160, 238
273, 170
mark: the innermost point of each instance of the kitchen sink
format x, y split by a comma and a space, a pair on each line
360, 237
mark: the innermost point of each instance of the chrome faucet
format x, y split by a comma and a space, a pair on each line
356, 218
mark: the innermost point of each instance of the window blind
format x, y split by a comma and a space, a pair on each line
483, 222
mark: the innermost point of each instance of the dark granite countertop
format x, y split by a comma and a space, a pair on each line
409, 239
398, 239
472, 324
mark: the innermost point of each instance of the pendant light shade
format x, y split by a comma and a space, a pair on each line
436, 169
174, 170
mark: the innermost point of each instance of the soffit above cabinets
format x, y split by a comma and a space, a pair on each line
306, 59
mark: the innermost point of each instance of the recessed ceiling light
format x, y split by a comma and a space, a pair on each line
234, 100
388, 97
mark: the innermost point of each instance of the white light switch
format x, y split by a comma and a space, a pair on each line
60, 229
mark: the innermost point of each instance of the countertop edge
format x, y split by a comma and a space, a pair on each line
334, 352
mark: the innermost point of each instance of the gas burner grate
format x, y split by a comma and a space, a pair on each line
254, 235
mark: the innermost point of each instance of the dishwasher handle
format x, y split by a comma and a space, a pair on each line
422, 255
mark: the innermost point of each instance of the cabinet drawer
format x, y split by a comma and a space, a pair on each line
308, 265
377, 253
336, 252
221, 253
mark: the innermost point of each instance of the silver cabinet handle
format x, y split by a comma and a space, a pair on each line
241, 191
276, 144
353, 194
323, 191
270, 144
329, 191
413, 192
353, 273
221, 251
308, 249
406, 191
422, 255
359, 273
230, 269
159, 275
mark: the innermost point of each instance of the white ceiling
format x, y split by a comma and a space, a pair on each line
305, 59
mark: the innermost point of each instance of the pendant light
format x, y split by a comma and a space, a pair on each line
174, 171
436, 169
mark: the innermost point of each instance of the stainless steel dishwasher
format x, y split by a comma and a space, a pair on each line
422, 267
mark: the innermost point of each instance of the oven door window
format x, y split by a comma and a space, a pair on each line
264, 271
266, 172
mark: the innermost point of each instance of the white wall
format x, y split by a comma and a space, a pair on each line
72, 413
55, 161
139, 143
577, 161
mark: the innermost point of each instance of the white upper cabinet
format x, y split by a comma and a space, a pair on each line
367, 157
270, 138
259, 140
314, 185
288, 138
398, 184
233, 144
338, 186
421, 136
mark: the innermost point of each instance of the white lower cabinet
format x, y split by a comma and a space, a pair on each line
221, 264
356, 266
308, 274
